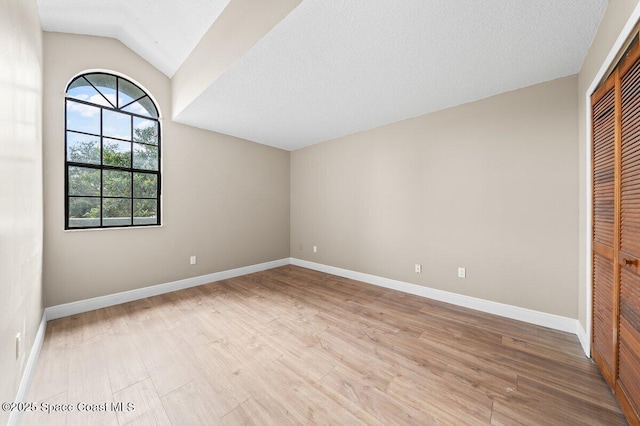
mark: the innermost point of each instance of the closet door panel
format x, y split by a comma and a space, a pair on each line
603, 321
629, 253
604, 169
604, 232
629, 351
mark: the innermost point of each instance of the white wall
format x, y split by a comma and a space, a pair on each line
20, 187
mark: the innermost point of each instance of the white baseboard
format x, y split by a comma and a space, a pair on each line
544, 319
67, 309
29, 370
585, 341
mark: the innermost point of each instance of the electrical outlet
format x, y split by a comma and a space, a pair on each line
418, 268
315, 249
462, 273
193, 260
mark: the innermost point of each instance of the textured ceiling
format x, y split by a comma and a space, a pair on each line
161, 31
333, 68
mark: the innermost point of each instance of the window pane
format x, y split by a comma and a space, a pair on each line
116, 211
116, 125
83, 148
145, 212
145, 131
128, 92
84, 212
81, 89
143, 107
84, 181
116, 153
106, 84
116, 183
145, 157
145, 185
83, 118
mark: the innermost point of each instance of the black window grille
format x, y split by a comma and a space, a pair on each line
112, 154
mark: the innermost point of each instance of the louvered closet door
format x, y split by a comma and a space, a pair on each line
604, 230
629, 253
616, 232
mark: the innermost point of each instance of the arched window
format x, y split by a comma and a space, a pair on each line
112, 142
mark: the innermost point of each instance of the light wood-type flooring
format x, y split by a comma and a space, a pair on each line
295, 346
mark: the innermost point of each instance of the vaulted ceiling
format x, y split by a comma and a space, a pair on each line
326, 68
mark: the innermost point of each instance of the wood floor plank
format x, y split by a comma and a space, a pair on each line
187, 405
587, 411
165, 368
123, 371
390, 356
267, 391
360, 390
308, 403
88, 328
435, 404
146, 407
89, 384
466, 403
377, 368
52, 373
248, 414
306, 356
533, 403
58, 333
294, 346
220, 387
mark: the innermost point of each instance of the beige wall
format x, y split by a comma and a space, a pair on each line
225, 200
615, 18
20, 188
491, 186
